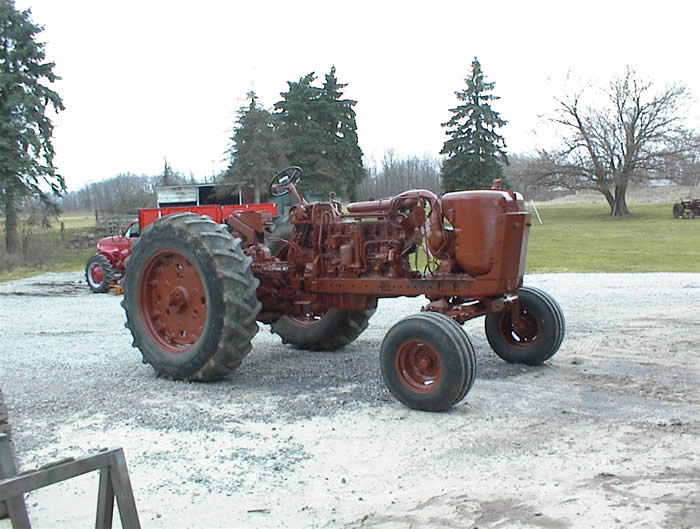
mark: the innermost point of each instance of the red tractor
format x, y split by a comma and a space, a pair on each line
195, 289
688, 208
106, 267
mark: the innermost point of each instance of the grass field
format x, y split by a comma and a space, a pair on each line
585, 238
572, 238
49, 254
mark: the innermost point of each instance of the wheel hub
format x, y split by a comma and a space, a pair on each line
178, 298
419, 366
525, 331
96, 274
172, 300
309, 318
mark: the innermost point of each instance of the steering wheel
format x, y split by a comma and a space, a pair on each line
288, 175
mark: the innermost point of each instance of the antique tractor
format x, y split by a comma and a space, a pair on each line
688, 208
106, 267
195, 289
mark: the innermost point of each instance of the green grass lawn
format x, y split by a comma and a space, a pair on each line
585, 238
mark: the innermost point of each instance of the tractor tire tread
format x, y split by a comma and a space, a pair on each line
109, 273
349, 324
546, 346
233, 280
461, 337
461, 375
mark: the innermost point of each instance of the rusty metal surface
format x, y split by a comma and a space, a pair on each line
172, 301
476, 243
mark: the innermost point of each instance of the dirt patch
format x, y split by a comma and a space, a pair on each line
45, 288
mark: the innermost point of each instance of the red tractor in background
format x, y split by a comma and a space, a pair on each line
106, 268
195, 289
687, 208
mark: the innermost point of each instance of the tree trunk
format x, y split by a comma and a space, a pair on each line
619, 207
10, 225
608, 197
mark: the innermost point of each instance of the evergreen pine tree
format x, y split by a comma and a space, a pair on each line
475, 152
321, 131
26, 151
257, 149
344, 151
297, 115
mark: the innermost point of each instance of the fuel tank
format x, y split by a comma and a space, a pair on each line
490, 229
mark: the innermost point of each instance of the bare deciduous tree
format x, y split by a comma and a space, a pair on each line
396, 175
125, 193
684, 172
632, 134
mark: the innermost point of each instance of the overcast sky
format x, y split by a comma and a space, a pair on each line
149, 79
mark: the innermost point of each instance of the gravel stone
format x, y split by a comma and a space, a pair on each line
609, 422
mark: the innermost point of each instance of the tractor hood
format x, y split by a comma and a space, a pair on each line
113, 242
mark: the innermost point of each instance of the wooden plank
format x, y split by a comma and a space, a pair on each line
14, 502
105, 501
5, 428
122, 489
53, 474
114, 481
3, 409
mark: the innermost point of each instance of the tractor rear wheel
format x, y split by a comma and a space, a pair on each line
536, 338
428, 362
677, 210
100, 273
190, 298
326, 330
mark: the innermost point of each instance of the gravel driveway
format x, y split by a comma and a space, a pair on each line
605, 435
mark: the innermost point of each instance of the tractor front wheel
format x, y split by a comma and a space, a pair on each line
99, 273
537, 336
428, 362
189, 297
